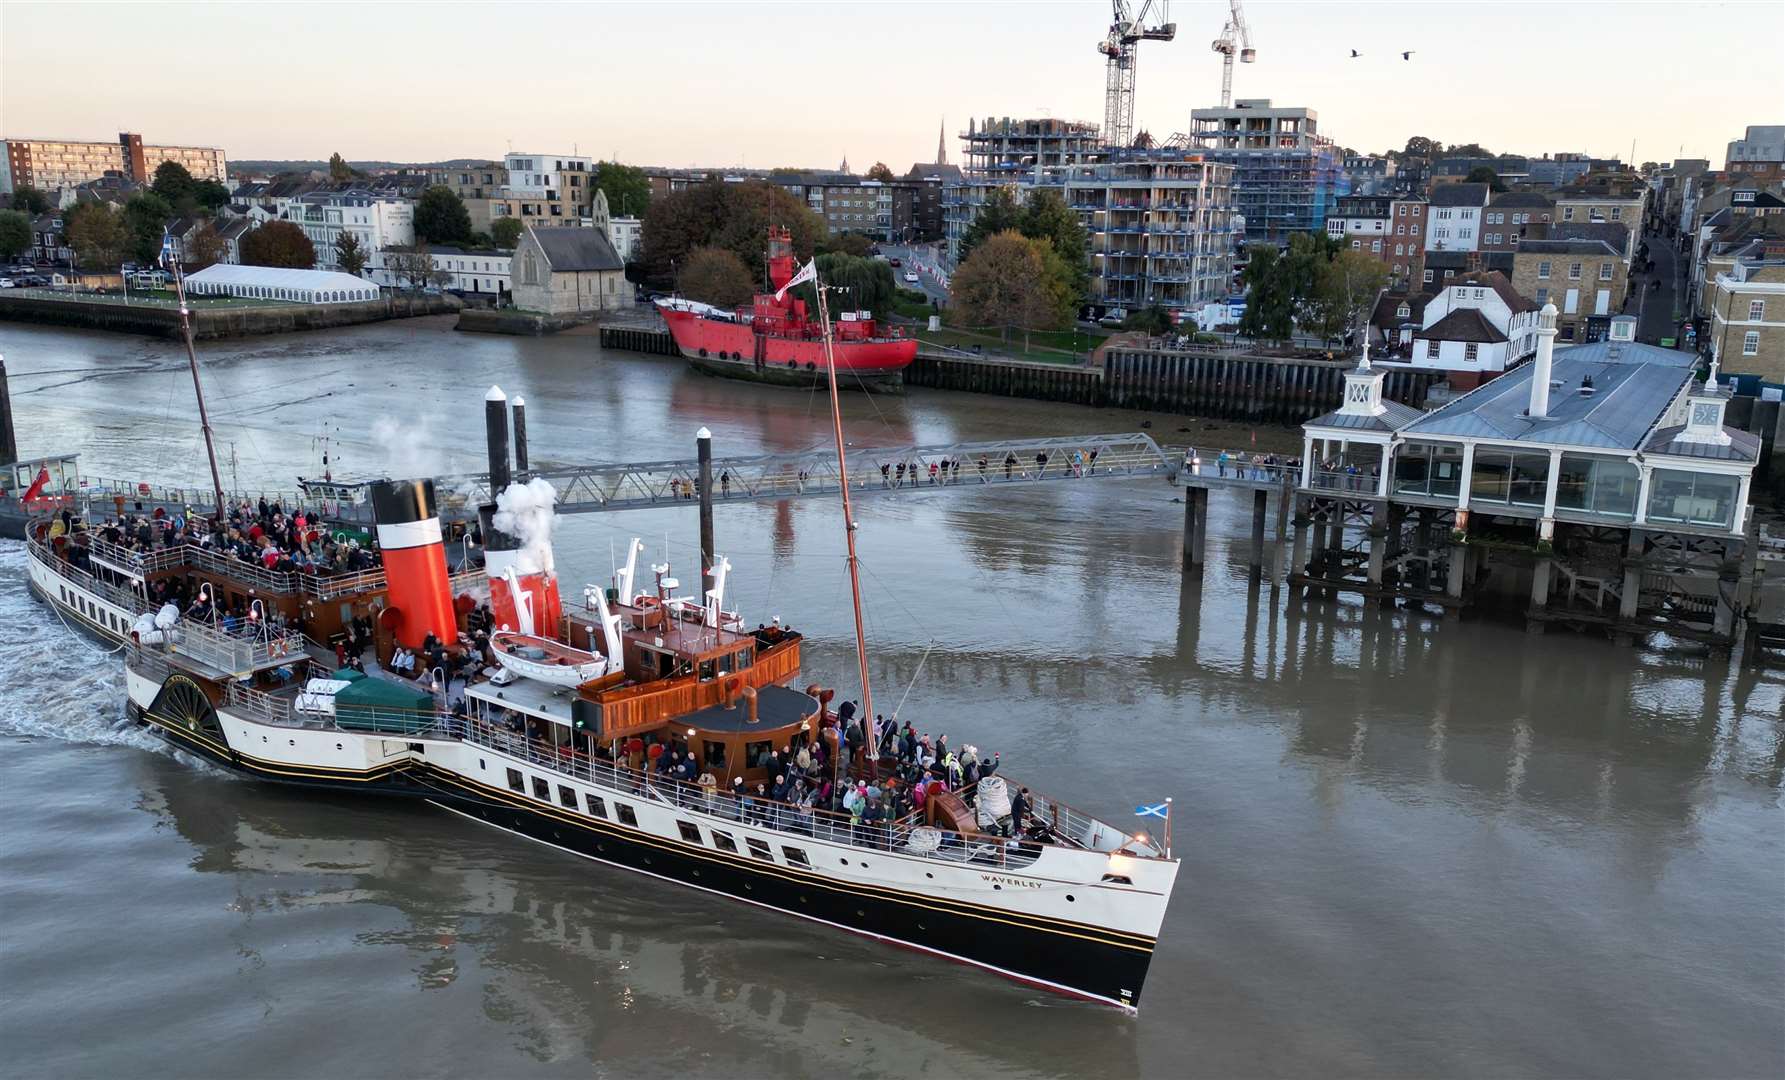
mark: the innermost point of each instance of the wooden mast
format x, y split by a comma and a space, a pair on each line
198, 389
855, 590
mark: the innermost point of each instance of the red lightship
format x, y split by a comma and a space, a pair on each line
775, 340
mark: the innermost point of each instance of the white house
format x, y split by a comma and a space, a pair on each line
627, 236
378, 223
476, 273
1476, 327
1454, 217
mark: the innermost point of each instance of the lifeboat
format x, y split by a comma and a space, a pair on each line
545, 660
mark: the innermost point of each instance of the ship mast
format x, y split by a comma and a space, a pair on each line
198, 389
855, 584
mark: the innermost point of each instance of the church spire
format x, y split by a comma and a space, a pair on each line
942, 142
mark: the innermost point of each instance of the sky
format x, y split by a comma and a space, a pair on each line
657, 82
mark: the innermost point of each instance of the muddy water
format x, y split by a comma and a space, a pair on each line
1408, 849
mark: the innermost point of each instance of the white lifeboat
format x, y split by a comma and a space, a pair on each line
545, 660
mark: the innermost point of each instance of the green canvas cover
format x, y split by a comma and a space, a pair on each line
384, 706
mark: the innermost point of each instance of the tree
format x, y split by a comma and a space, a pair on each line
278, 243
1469, 150
414, 266
173, 183
15, 233
1047, 217
731, 216
97, 234
627, 187
210, 194
441, 218
1008, 283
505, 232
1154, 320
714, 276
1270, 304
349, 254
146, 215
338, 169
203, 248
998, 213
1344, 290
1422, 147
848, 243
29, 200
881, 172
866, 283
1481, 174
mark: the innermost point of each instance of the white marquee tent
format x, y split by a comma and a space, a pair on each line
271, 283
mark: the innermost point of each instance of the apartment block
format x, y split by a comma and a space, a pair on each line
47, 164
1287, 176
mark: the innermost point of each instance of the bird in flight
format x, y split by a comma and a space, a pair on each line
1355, 54
1408, 55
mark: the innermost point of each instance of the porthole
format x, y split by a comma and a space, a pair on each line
860, 914
697, 873
1070, 899
921, 926
845, 862
337, 746
703, 354
997, 888
927, 874
803, 900
292, 742
647, 860
749, 887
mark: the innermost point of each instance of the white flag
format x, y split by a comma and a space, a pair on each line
808, 272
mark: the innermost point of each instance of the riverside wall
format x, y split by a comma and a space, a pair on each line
209, 323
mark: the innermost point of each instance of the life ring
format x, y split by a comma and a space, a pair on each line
645, 600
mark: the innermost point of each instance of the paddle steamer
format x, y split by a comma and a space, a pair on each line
1069, 903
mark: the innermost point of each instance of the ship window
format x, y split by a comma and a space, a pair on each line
567, 796
1118, 879
715, 754
707, 671
597, 807
690, 832
759, 849
795, 856
515, 781
542, 790
627, 817
756, 754
724, 842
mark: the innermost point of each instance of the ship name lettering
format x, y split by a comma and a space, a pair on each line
1018, 882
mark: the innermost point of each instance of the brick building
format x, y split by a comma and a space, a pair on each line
1748, 318
1587, 280
1407, 260
1514, 215
47, 164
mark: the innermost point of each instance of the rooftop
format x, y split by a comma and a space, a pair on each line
1463, 324
276, 278
568, 250
1633, 385
1459, 195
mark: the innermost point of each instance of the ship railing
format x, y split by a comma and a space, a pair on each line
279, 711
148, 663
223, 651
749, 809
127, 599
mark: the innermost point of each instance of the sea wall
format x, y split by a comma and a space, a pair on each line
1007, 378
162, 320
518, 323
638, 339
1240, 386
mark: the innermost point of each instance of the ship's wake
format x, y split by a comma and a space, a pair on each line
58, 682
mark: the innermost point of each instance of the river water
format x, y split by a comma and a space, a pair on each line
1409, 848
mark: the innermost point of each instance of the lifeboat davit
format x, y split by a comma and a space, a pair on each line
545, 660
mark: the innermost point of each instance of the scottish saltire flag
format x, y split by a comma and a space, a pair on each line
167, 247
808, 272
1158, 810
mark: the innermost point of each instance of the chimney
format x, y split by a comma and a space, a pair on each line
1540, 373
419, 597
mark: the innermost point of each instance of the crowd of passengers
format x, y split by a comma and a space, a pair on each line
808, 777
263, 534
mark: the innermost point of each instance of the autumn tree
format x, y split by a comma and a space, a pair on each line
1008, 283
627, 188
505, 232
714, 276
278, 243
338, 169
881, 172
350, 255
441, 217
15, 233
97, 234
203, 248
735, 217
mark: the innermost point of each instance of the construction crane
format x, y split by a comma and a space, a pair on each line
1121, 46
1235, 38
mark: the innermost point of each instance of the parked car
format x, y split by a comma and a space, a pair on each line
5, 283
911, 278
894, 263
1113, 317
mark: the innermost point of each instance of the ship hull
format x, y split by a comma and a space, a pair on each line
1073, 960
735, 351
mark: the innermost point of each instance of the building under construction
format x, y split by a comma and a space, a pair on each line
1287, 176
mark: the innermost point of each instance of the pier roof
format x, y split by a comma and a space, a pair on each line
1632, 387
